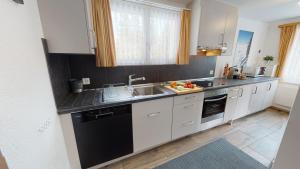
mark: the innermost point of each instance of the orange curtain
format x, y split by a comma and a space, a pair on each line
183, 55
102, 23
286, 38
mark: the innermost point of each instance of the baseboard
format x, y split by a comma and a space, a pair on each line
280, 108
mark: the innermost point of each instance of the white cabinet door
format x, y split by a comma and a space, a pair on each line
195, 5
218, 21
65, 26
243, 102
152, 123
231, 17
231, 103
187, 117
270, 91
211, 23
257, 98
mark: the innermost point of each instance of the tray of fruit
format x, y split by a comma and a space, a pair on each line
180, 87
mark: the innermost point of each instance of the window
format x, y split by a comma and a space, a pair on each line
291, 69
144, 35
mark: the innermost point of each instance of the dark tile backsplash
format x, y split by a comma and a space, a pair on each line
84, 66
62, 67
59, 71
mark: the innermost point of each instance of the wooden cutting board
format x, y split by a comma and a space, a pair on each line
187, 91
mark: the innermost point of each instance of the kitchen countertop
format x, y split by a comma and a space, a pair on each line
219, 83
93, 99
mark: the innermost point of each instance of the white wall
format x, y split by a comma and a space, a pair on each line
289, 151
30, 132
273, 34
260, 29
286, 93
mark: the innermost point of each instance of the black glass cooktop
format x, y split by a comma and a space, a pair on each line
206, 83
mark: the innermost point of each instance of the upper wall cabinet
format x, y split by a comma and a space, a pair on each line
66, 26
195, 6
218, 24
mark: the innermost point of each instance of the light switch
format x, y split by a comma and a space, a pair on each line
211, 72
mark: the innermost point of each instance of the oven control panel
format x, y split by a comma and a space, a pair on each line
217, 92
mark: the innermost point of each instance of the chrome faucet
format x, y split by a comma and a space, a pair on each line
131, 79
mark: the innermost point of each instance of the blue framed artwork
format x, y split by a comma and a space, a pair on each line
243, 48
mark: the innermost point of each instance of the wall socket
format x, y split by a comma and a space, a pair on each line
211, 72
86, 81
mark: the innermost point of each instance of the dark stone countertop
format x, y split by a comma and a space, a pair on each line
93, 99
219, 83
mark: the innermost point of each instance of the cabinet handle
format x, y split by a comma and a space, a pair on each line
214, 100
189, 106
270, 87
189, 97
242, 93
153, 114
104, 114
188, 123
255, 92
234, 97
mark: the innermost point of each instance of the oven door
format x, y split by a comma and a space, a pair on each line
213, 108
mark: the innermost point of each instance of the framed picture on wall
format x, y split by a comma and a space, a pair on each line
243, 48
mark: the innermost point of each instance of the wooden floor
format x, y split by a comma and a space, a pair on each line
258, 135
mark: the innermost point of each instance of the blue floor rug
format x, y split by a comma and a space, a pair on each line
216, 155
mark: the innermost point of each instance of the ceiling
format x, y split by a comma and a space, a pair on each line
267, 10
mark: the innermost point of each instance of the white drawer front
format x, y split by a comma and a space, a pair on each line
188, 98
152, 123
186, 118
233, 92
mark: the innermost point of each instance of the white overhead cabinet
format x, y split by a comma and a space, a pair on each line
218, 24
67, 26
187, 114
195, 5
152, 123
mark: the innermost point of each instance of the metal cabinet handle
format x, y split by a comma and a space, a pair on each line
270, 87
188, 123
255, 92
189, 106
233, 97
104, 114
242, 93
214, 100
153, 114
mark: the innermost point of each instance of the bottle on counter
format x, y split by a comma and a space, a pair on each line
226, 70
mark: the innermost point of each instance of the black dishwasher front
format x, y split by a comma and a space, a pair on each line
103, 135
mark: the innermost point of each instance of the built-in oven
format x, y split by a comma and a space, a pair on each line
214, 105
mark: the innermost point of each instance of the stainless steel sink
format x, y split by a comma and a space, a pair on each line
146, 90
129, 92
